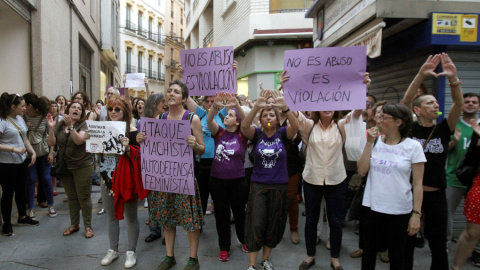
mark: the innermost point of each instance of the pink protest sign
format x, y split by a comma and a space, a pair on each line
167, 160
326, 79
207, 71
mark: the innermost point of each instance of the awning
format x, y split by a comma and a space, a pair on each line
371, 38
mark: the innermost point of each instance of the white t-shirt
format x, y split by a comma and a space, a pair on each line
388, 188
10, 137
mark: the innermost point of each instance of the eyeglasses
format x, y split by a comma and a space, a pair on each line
78, 98
383, 117
117, 109
14, 98
369, 104
110, 94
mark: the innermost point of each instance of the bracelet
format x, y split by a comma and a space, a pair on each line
286, 111
196, 145
456, 83
416, 212
13, 149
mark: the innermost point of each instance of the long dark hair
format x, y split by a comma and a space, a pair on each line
67, 110
38, 103
6, 101
315, 116
136, 115
85, 98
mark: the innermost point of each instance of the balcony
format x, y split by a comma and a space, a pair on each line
131, 26
130, 69
208, 39
151, 36
152, 75
160, 40
142, 70
161, 77
142, 32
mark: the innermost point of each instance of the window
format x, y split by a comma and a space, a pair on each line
150, 67
289, 5
129, 60
181, 33
140, 56
140, 17
159, 68
181, 16
159, 2
150, 28
85, 68
130, 25
159, 30
171, 28
171, 8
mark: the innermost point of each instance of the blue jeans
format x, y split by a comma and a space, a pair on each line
335, 200
41, 168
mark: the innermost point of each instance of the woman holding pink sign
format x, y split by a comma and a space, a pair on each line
179, 209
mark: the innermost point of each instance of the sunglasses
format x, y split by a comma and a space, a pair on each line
117, 109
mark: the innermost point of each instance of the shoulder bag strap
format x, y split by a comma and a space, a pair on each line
21, 134
429, 137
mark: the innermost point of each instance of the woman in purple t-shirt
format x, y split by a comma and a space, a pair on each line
267, 206
227, 179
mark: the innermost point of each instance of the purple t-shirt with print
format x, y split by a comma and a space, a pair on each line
270, 166
229, 155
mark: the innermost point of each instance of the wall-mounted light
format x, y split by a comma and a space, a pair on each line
242, 53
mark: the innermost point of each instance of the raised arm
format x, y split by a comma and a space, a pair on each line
217, 105
363, 164
246, 127
51, 131
450, 71
427, 69
292, 119
232, 102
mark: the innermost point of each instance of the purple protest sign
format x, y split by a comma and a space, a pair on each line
167, 160
207, 71
325, 79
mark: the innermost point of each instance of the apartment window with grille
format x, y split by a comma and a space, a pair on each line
129, 60
140, 17
181, 16
159, 31
150, 67
159, 68
171, 9
150, 28
140, 66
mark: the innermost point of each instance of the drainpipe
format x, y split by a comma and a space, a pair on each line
71, 49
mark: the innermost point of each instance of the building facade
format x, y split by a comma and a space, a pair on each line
259, 31
174, 41
399, 36
142, 42
57, 46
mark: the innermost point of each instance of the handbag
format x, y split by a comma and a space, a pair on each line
59, 169
355, 210
38, 141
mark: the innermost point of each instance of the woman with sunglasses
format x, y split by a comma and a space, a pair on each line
179, 209
393, 210
119, 110
14, 146
70, 136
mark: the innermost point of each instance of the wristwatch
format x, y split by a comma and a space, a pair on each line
70, 128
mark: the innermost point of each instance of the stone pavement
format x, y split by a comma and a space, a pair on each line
44, 247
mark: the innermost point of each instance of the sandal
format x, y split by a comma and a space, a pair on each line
88, 233
72, 229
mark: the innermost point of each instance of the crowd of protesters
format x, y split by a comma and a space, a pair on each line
257, 159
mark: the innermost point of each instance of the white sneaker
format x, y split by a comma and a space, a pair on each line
131, 259
31, 213
51, 212
145, 204
111, 256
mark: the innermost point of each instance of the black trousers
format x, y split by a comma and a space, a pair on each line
226, 195
13, 181
383, 228
203, 180
434, 207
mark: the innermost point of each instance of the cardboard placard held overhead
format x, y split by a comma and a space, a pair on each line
325, 79
209, 70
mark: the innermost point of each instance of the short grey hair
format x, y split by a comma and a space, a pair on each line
117, 92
